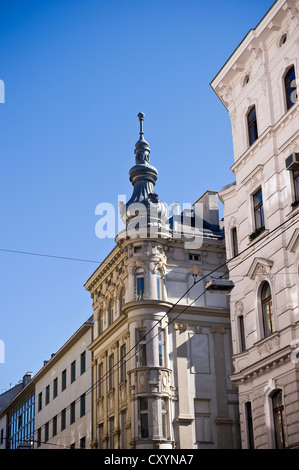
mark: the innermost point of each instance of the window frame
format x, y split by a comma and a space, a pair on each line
143, 418
83, 362
258, 209
266, 303
73, 371
234, 242
295, 181
249, 424
289, 103
279, 427
139, 290
252, 124
141, 349
161, 348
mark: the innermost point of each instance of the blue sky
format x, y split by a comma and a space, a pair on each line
76, 75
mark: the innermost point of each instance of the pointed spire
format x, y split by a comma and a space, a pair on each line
142, 149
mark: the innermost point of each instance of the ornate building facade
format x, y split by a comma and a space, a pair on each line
161, 352
258, 86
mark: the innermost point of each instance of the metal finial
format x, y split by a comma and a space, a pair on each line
141, 117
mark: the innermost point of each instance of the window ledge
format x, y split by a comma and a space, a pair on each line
259, 237
293, 212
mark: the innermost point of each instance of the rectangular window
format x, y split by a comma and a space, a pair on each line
141, 348
123, 431
158, 287
47, 431
110, 435
202, 420
2, 436
235, 248
39, 437
47, 394
123, 365
73, 412
100, 380
101, 436
161, 348
63, 419
54, 426
40, 401
82, 443
139, 287
143, 418
242, 333
258, 209
111, 371
55, 387
252, 126
82, 405
63, 380
83, 362
296, 184
164, 410
250, 438
73, 371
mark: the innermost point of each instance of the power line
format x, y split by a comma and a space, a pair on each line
45, 255
119, 363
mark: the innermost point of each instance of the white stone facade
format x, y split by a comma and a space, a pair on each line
263, 356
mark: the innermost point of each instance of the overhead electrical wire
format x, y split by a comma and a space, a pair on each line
119, 363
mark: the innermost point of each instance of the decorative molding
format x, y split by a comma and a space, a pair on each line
239, 308
160, 266
294, 241
269, 346
218, 329
260, 268
254, 177
180, 326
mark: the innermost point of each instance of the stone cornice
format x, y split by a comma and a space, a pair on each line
108, 332
250, 47
114, 257
262, 366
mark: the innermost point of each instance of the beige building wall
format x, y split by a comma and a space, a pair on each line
180, 395
55, 406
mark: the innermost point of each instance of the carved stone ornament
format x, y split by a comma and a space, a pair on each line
139, 264
195, 271
160, 266
239, 307
218, 329
269, 346
232, 222
180, 326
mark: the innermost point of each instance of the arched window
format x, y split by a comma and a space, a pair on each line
110, 312
279, 420
267, 309
290, 87
139, 284
252, 125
